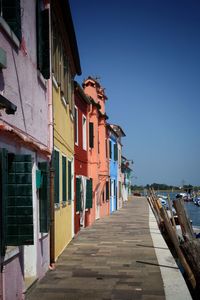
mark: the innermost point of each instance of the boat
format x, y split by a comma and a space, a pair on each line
185, 196
196, 201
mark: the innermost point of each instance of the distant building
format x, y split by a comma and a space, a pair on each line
120, 133
126, 171
98, 161
113, 157
82, 183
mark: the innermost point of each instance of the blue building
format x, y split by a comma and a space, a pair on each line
113, 157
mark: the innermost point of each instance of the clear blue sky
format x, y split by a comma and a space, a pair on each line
147, 54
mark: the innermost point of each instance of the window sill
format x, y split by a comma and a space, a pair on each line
55, 83
9, 32
11, 251
71, 116
64, 101
64, 203
43, 235
42, 80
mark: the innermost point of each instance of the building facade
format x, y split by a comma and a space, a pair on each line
113, 157
98, 161
82, 183
126, 173
65, 65
24, 145
120, 133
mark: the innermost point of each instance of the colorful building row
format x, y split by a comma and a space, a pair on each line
61, 162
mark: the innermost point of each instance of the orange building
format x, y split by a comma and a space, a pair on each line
98, 161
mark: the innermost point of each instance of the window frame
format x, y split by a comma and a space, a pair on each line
69, 196
84, 132
64, 158
76, 125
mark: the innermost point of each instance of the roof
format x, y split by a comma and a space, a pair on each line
79, 89
94, 102
67, 19
103, 115
100, 90
111, 129
118, 128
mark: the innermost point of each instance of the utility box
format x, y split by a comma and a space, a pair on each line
3, 59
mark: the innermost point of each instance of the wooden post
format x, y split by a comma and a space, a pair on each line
175, 242
186, 227
170, 208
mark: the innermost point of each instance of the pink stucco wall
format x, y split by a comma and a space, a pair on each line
23, 85
20, 82
13, 285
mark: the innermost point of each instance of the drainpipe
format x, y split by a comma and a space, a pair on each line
50, 145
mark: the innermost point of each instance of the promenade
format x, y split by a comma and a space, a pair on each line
116, 258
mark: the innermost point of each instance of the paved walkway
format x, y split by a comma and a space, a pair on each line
112, 259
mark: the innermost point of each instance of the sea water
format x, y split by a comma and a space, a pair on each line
193, 210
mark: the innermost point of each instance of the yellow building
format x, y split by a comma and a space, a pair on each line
65, 65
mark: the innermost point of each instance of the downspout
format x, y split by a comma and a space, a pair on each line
50, 145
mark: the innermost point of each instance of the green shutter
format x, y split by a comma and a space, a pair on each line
89, 193
19, 206
69, 181
107, 190
64, 179
44, 197
115, 152
3, 197
11, 10
56, 177
91, 135
110, 148
43, 54
78, 194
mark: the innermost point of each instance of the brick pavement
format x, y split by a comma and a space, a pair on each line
112, 259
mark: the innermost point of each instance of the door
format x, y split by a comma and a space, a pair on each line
97, 198
112, 199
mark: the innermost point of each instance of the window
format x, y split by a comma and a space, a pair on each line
76, 125
60, 65
78, 194
56, 176
110, 148
114, 184
56, 45
69, 181
43, 45
11, 12
89, 193
64, 179
107, 190
16, 204
84, 133
44, 199
115, 152
91, 135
